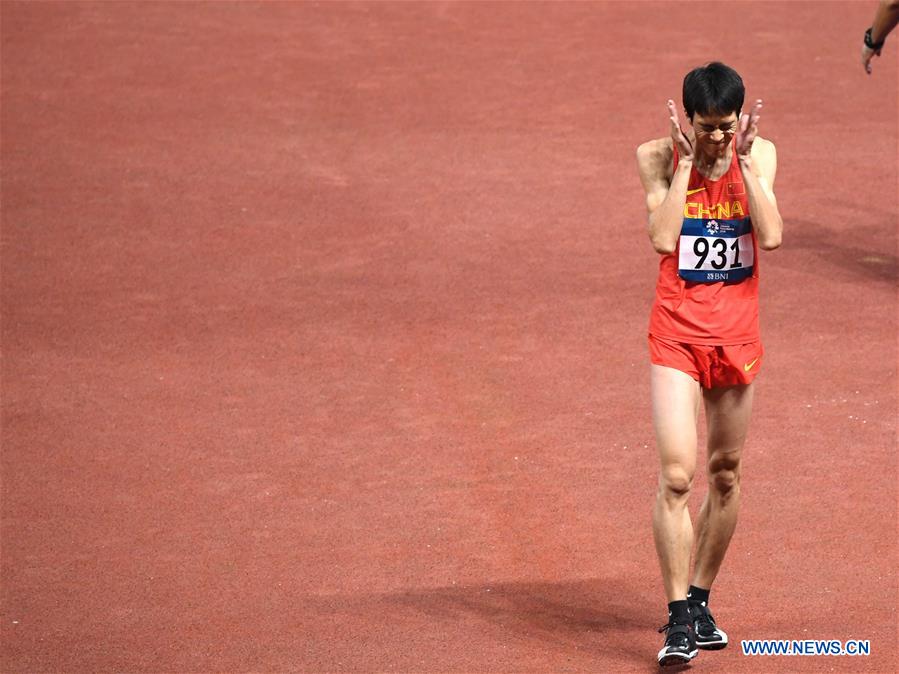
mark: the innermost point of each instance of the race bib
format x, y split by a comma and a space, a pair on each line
712, 251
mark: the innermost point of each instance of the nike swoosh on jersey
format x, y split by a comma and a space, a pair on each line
700, 189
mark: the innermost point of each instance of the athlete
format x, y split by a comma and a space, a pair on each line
885, 19
709, 193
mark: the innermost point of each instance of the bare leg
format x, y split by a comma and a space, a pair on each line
727, 414
675, 407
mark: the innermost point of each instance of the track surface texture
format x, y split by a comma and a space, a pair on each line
324, 337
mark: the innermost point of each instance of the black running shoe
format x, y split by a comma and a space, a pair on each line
709, 636
680, 645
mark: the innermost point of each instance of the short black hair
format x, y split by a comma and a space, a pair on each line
713, 89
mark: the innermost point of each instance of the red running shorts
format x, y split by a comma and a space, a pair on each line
711, 366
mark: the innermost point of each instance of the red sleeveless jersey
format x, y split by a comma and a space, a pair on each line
707, 290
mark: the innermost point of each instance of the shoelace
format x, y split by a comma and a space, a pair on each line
680, 639
669, 625
704, 616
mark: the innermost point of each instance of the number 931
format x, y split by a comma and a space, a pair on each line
719, 251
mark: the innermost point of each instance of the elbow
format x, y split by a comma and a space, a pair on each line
662, 246
771, 235
770, 242
661, 237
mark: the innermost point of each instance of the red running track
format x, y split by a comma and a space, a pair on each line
323, 334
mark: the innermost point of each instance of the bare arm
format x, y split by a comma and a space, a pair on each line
758, 164
885, 20
665, 194
759, 181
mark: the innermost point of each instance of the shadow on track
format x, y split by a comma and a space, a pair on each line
847, 250
603, 619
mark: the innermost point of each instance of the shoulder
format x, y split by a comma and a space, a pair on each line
763, 149
654, 157
655, 151
764, 160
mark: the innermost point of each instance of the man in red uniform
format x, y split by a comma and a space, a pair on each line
709, 193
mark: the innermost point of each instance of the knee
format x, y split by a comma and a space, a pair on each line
725, 482
724, 473
675, 483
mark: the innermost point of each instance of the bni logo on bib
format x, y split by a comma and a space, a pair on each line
712, 251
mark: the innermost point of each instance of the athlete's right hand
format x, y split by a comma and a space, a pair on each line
681, 142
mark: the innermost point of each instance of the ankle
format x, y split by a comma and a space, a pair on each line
698, 595
679, 612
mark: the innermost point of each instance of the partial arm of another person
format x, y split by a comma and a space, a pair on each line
885, 20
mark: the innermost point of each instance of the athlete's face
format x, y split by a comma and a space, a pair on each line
714, 132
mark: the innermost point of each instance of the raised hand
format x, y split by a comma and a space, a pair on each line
748, 130
681, 142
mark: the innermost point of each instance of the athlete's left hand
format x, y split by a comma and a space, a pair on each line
747, 131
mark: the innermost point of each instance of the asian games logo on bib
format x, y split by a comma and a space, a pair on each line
712, 227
